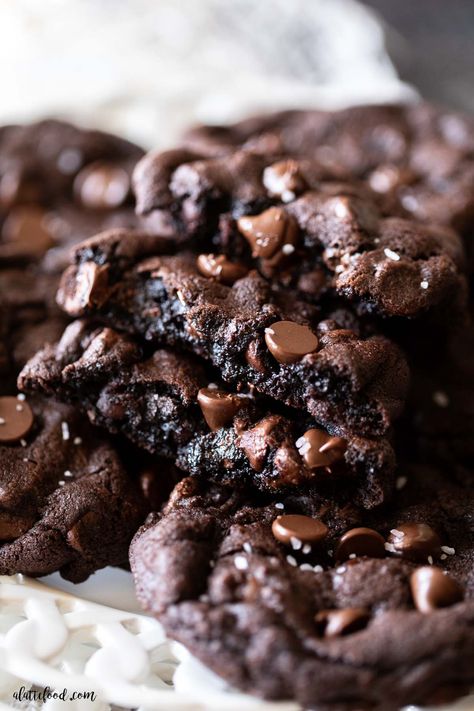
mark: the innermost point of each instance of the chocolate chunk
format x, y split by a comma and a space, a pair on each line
302, 528
16, 419
268, 232
102, 186
360, 542
415, 541
339, 622
432, 588
25, 233
220, 268
218, 406
288, 342
319, 449
284, 180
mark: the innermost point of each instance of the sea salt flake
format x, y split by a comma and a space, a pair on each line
279, 506
430, 559
287, 249
306, 566
448, 550
306, 549
247, 547
21, 397
395, 532
67, 473
391, 254
296, 544
23, 442
291, 560
241, 562
65, 430
424, 284
318, 569
77, 440
390, 547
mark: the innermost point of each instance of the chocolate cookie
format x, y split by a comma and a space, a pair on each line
58, 185
67, 502
45, 161
275, 213
298, 597
417, 159
287, 349
165, 403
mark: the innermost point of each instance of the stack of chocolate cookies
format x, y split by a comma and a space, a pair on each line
282, 327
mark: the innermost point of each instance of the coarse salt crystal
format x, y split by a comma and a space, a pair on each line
391, 254
279, 506
247, 547
424, 284
296, 544
65, 430
291, 560
240, 562
448, 550
21, 396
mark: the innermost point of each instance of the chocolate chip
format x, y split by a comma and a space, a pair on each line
268, 232
360, 542
288, 342
255, 442
284, 180
432, 588
16, 419
219, 407
415, 541
102, 186
320, 449
339, 622
25, 232
92, 287
218, 267
296, 526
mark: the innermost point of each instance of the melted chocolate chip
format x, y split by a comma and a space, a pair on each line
415, 541
339, 622
284, 180
219, 407
102, 186
360, 542
217, 266
288, 342
320, 449
16, 419
268, 232
432, 588
302, 528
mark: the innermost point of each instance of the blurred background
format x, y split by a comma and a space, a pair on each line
148, 68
